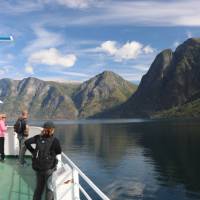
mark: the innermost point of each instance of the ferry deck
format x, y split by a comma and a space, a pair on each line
18, 182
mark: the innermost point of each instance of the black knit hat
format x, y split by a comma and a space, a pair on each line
48, 124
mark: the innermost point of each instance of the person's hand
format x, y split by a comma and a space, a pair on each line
25, 134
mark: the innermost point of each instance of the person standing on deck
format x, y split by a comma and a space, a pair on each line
3, 129
44, 160
22, 129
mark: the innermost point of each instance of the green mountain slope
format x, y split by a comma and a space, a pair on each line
102, 92
191, 109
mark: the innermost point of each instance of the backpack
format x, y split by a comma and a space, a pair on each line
19, 127
43, 159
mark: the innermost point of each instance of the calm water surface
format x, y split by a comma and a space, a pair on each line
137, 160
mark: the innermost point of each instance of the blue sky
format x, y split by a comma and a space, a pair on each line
73, 40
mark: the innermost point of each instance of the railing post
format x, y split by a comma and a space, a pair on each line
76, 185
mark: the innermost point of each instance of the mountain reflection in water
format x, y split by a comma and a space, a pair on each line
146, 160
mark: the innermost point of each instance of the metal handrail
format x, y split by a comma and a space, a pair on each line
86, 179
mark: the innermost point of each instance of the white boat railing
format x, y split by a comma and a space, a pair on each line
66, 182
76, 173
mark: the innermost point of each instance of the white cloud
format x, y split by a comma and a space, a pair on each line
109, 47
45, 39
29, 69
43, 50
51, 57
143, 12
75, 3
148, 49
128, 51
24, 6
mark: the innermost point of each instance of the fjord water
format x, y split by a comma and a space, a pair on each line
137, 159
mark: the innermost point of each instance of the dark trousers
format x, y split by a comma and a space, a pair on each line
2, 148
44, 180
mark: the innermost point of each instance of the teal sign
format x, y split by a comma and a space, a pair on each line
6, 38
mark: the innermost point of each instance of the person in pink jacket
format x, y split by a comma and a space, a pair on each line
3, 129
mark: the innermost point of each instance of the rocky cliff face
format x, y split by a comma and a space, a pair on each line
54, 100
173, 79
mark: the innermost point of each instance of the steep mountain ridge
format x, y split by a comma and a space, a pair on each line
173, 79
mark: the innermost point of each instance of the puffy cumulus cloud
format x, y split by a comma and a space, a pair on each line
109, 47
128, 51
51, 57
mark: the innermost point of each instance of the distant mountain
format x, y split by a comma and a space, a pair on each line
47, 99
42, 99
102, 92
172, 80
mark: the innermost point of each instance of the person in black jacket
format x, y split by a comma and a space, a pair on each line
44, 159
21, 128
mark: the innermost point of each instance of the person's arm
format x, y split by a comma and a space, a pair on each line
26, 131
30, 141
57, 147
